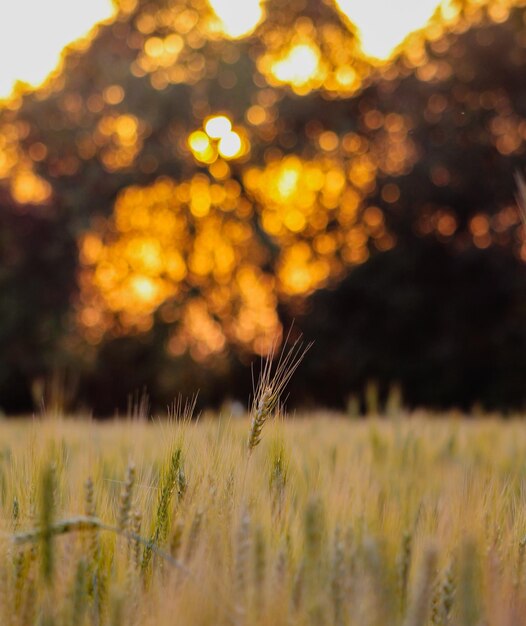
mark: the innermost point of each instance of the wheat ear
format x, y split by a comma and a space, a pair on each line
271, 385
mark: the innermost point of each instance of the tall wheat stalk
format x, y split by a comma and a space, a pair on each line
271, 384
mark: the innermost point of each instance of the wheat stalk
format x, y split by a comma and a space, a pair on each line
270, 387
419, 608
338, 579
169, 483
404, 565
126, 498
46, 523
81, 523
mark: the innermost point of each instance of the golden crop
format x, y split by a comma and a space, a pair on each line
327, 521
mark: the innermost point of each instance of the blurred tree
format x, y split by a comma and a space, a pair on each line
444, 311
185, 195
38, 260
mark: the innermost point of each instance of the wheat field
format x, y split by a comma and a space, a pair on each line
329, 520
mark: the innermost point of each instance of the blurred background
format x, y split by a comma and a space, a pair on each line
185, 178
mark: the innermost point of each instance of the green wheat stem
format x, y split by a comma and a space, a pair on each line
84, 523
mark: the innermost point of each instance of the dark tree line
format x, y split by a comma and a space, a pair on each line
443, 312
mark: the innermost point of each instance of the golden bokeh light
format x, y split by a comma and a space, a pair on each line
230, 145
235, 19
191, 250
324, 57
28, 188
383, 24
264, 211
119, 139
33, 34
17, 167
199, 141
217, 126
144, 259
34, 50
219, 138
300, 64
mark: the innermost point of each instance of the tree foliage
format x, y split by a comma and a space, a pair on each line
372, 202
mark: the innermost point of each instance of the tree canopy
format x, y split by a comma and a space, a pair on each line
172, 198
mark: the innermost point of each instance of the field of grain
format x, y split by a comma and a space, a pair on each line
409, 521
